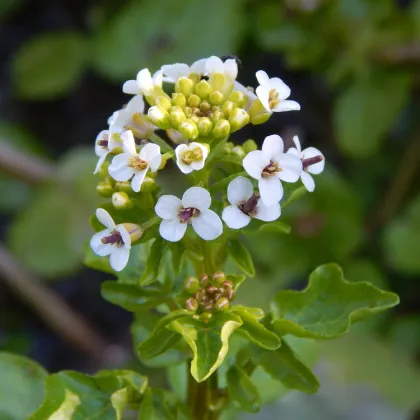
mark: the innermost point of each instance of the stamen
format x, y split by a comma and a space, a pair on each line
103, 143
273, 98
137, 163
114, 238
271, 169
311, 161
249, 207
186, 214
192, 155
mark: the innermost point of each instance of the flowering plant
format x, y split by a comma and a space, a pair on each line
181, 257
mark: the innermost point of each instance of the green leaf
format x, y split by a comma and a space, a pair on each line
295, 195
21, 386
153, 262
152, 33
49, 65
276, 227
95, 261
208, 341
364, 113
242, 391
241, 256
177, 254
161, 405
283, 366
329, 305
222, 184
255, 331
72, 395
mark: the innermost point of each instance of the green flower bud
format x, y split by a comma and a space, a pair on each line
204, 126
206, 316
191, 284
178, 99
165, 157
195, 119
105, 188
163, 102
228, 107
221, 129
148, 185
194, 101
188, 111
188, 129
204, 280
239, 151
205, 107
250, 146
217, 115
103, 170
203, 89
258, 113
191, 304
185, 86
218, 81
177, 115
238, 119
121, 201
135, 231
222, 304
219, 277
216, 98
124, 186
194, 77
238, 98
159, 117
228, 147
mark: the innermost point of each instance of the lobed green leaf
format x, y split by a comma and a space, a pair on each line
241, 256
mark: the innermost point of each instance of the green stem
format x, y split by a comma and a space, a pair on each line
203, 398
161, 142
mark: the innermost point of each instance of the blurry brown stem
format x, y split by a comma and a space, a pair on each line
399, 54
51, 308
24, 166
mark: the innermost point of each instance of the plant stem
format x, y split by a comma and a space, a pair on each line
202, 398
161, 142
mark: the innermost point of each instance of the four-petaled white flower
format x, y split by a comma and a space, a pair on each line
191, 157
313, 162
144, 84
273, 94
132, 164
172, 72
194, 209
114, 241
103, 145
229, 68
269, 166
246, 204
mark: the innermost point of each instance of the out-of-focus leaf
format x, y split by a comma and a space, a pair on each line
405, 334
366, 111
49, 65
178, 378
208, 341
8, 6
242, 391
153, 262
21, 386
329, 305
241, 256
150, 34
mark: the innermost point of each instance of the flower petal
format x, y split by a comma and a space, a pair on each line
273, 146
168, 206
151, 154
129, 146
157, 78
297, 143
234, 218
262, 77
197, 198
172, 72
97, 246
240, 189
267, 213
131, 87
263, 93
215, 65
100, 161
135, 105
145, 82
291, 167
280, 87
119, 169
241, 88
293, 151
254, 163
308, 181
207, 225
138, 179
231, 69
271, 190
105, 218
287, 106
172, 230
119, 258
316, 168
199, 66
124, 235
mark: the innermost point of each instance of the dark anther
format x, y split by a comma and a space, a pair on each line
249, 207
185, 215
114, 238
103, 143
311, 161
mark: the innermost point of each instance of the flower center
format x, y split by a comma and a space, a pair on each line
103, 143
249, 207
114, 238
271, 169
137, 163
185, 215
273, 98
311, 161
194, 155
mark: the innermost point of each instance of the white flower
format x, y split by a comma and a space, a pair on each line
114, 241
229, 68
191, 157
194, 209
273, 92
103, 145
132, 164
144, 84
269, 166
172, 72
247, 91
313, 162
246, 204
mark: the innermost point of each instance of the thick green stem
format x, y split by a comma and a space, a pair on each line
202, 398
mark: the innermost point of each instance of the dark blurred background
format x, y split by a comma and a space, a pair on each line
353, 67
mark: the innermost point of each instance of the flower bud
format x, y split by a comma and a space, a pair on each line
228, 107
219, 277
194, 118
121, 201
250, 146
184, 85
221, 129
191, 304
105, 188
124, 186
203, 89
194, 101
165, 157
135, 231
175, 136
204, 280
218, 81
205, 107
148, 185
238, 151
216, 98
178, 99
217, 115
222, 304
195, 77
191, 284
163, 102
103, 170
238, 119
258, 113
159, 117
237, 97
177, 115
204, 126
228, 147
206, 316
188, 129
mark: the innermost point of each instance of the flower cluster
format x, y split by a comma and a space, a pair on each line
206, 105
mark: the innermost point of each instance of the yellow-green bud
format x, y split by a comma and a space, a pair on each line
216, 98
221, 129
124, 186
177, 115
222, 304
238, 118
219, 277
105, 188
103, 170
178, 99
165, 157
250, 146
228, 107
121, 201
203, 89
206, 316
135, 231
195, 77
258, 113
239, 151
228, 147
188, 111
205, 107
185, 86
188, 129
204, 280
160, 117
194, 118
204, 126
148, 185
163, 102
237, 97
191, 284
218, 81
194, 101
191, 304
